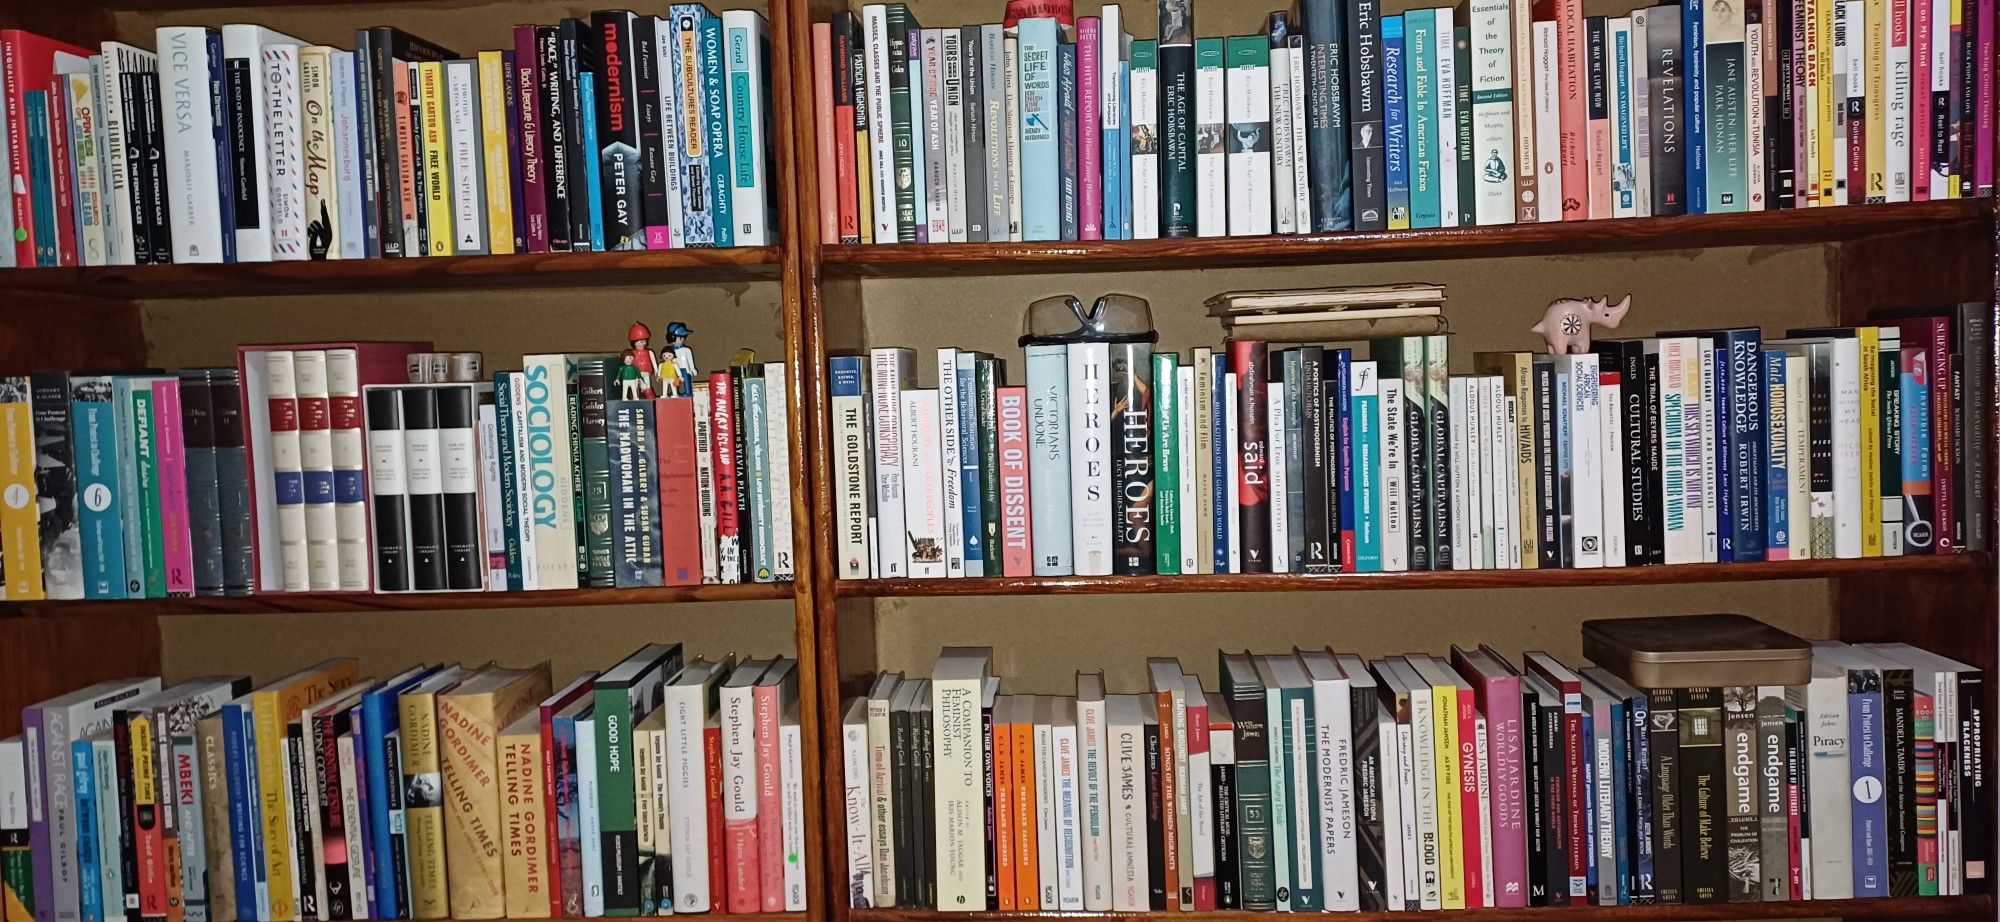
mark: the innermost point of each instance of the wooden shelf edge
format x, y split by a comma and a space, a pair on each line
1898, 908
1764, 228
1433, 580
318, 602
631, 267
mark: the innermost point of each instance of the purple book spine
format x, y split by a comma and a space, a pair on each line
1090, 225
533, 206
1982, 164
1504, 748
41, 845
1871, 820
513, 97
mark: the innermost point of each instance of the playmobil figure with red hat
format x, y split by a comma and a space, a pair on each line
640, 359
677, 379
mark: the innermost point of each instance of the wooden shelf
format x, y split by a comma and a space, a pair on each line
1896, 908
1766, 228
317, 602
1449, 579
568, 270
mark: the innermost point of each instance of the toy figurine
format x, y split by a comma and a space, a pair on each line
1566, 324
639, 358
677, 361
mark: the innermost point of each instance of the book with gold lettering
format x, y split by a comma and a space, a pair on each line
469, 720
524, 865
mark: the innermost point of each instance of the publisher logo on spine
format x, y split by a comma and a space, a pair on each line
96, 497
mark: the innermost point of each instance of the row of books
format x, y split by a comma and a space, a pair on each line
1319, 781
614, 132
443, 792
1339, 116
311, 467
1704, 446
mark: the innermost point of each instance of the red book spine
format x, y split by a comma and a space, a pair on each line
1197, 745
846, 182
718, 862
406, 189
1919, 19
1015, 522
552, 871
1792, 830
27, 61
770, 811
1944, 475
1574, 765
680, 491
1468, 799
60, 159
534, 198
823, 133
1250, 359
722, 448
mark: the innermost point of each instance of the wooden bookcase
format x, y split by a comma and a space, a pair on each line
807, 298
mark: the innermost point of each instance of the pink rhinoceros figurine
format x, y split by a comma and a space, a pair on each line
1566, 324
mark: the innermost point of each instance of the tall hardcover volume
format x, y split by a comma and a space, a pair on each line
1013, 410
1176, 122
1334, 92
1133, 397
1366, 105
1049, 457
634, 494
618, 152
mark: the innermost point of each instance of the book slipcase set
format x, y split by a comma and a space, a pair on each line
1315, 781
1704, 446
1341, 116
241, 144
655, 787
314, 467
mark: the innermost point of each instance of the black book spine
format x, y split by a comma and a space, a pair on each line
1968, 107
1468, 188
232, 481
556, 134
302, 808
653, 207
458, 467
1251, 361
1780, 153
204, 505
1318, 466
1664, 79
243, 161
578, 56
388, 482
1555, 800
618, 130
579, 504
149, 174
55, 488
1960, 410
1548, 491
1819, 432
128, 840
992, 815
1372, 834
1655, 484
1899, 779
137, 138
424, 493
1336, 461
635, 503
1798, 801
1156, 847
417, 237
593, 436
976, 132
1535, 812
325, 762
1066, 136
1975, 338
386, 177
1704, 867
1364, 115
1774, 825
902, 785
1326, 129
1228, 895
1974, 795
1132, 414
1739, 793
1664, 770
1176, 75
901, 28
926, 831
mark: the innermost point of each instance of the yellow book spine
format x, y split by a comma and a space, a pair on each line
1871, 439
437, 156
468, 754
1828, 160
525, 861
1808, 157
864, 184
20, 535
1877, 39
493, 141
272, 709
1451, 841
423, 812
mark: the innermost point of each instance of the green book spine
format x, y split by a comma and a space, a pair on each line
986, 379
1421, 60
578, 510
1300, 723
1723, 131
617, 799
757, 451
1166, 466
1468, 188
901, 25
1253, 796
592, 377
148, 457
17, 875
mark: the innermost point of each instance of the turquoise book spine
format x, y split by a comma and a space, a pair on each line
1420, 27
1041, 169
1048, 458
715, 109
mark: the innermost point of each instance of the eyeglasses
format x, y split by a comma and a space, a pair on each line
1112, 318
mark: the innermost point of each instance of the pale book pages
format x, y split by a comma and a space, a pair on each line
777, 417
1097, 791
860, 889
791, 805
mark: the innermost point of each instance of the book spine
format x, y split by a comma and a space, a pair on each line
1014, 408
1250, 362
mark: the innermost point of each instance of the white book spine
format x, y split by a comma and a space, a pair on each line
881, 803
524, 511
288, 459
1642, 119
1941, 74
1699, 446
1847, 447
777, 434
1069, 838
1504, 471
1280, 510
670, 132
1514, 487
347, 175
1230, 497
1097, 794
1447, 120
1201, 808
792, 810
1479, 472
350, 784
1461, 520
353, 552
1493, 99
1548, 118
704, 472
194, 221
592, 833
1395, 502
1211, 171
492, 507
1339, 849
1679, 531
283, 124
1090, 457
1611, 427
1586, 464
1247, 140
881, 141
922, 472
1424, 760
1301, 171
992, 78
1187, 468
739, 753
860, 845
954, 504
891, 370
468, 185
547, 392
1129, 840
748, 36
1897, 140
1048, 867
959, 795
1393, 863
1798, 463
1145, 153
954, 138
245, 42
1010, 54
1283, 196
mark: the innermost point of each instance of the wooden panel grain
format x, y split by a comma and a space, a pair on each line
43, 332
42, 657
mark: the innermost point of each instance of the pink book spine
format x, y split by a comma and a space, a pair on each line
1510, 854
770, 811
1599, 139
1468, 799
1197, 744
171, 448
1572, 71
1806, 186
1920, 100
1018, 553
534, 198
744, 885
1090, 217
1982, 163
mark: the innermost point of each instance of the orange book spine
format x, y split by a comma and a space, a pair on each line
1027, 853
1169, 796
1003, 812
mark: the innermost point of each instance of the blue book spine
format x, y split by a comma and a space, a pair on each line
697, 209
380, 716
1590, 868
1307, 886
503, 414
757, 452
239, 759
1777, 483
1747, 423
94, 432
41, 176
974, 511
1041, 180
1621, 802
715, 112
1865, 757
1125, 205
1421, 26
1365, 409
1694, 114
1048, 468
225, 133
1066, 136
1343, 421
593, 171
83, 769
1719, 427
1644, 818
127, 420
1396, 140
1112, 141
1218, 459
1916, 440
